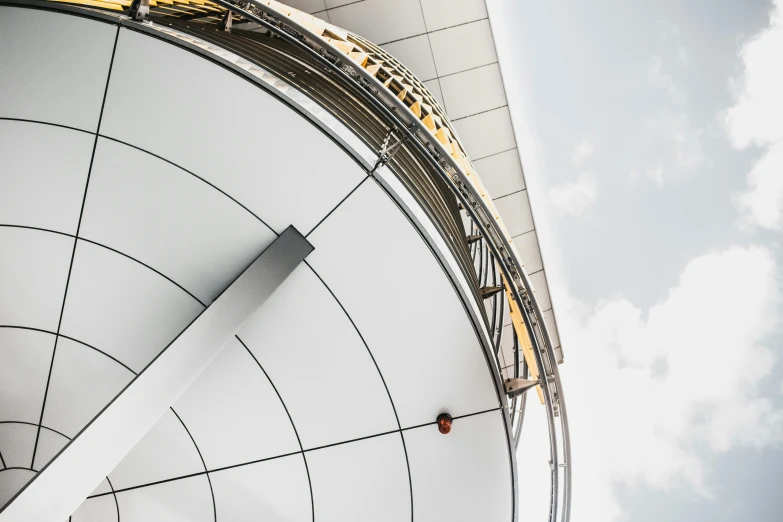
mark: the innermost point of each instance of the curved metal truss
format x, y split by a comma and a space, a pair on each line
407, 110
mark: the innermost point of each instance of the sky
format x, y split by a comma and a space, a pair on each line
651, 135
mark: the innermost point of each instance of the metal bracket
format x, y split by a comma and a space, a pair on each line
488, 291
386, 153
225, 24
139, 10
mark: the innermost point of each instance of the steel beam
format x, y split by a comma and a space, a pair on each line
60, 488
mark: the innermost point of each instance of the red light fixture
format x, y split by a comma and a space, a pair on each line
444, 423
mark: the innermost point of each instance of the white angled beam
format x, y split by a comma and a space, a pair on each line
59, 489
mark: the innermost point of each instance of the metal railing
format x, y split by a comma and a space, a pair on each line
477, 206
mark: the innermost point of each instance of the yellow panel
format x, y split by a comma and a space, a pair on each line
124, 3
173, 9
92, 3
345, 47
524, 340
338, 32
316, 25
360, 58
373, 69
416, 109
459, 158
443, 135
429, 122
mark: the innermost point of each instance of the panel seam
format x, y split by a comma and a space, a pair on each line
73, 252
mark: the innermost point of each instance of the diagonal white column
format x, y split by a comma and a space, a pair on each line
59, 489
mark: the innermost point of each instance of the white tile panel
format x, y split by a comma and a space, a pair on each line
49, 444
39, 47
380, 21
234, 413
515, 210
122, 307
542, 290
365, 239
485, 134
16, 443
43, 171
361, 481
463, 47
323, 371
11, 481
434, 87
308, 6
336, 3
25, 357
186, 500
103, 487
501, 173
98, 509
273, 161
551, 325
527, 246
446, 13
473, 91
450, 473
272, 490
415, 54
82, 382
170, 220
165, 452
33, 272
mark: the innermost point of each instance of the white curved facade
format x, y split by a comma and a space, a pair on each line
141, 170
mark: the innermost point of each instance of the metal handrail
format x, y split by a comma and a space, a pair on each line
479, 210
373, 92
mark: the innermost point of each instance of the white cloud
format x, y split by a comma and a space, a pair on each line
656, 174
757, 120
582, 153
574, 198
682, 56
762, 203
670, 33
650, 395
688, 151
658, 79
